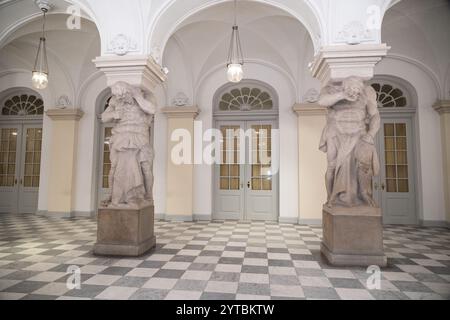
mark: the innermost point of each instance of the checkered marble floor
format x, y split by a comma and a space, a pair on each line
213, 260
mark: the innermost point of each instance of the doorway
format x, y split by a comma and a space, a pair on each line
20, 151
395, 188
246, 190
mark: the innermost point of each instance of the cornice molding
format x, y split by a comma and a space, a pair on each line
181, 112
137, 70
65, 114
442, 106
309, 109
335, 63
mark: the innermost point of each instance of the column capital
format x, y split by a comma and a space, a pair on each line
181, 112
335, 63
137, 70
65, 114
442, 106
309, 109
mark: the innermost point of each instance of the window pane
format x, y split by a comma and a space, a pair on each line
234, 184
224, 184
391, 185
267, 184
389, 130
256, 184
400, 129
402, 157
224, 170
391, 172
403, 186
390, 158
401, 144
402, 172
389, 144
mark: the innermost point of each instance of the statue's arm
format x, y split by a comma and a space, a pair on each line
330, 96
146, 105
110, 113
374, 114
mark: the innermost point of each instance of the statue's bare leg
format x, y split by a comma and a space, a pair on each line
331, 171
147, 170
365, 184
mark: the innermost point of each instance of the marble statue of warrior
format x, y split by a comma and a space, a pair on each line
348, 139
131, 175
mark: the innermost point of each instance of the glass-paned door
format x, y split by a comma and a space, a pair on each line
230, 192
394, 189
246, 189
261, 198
20, 167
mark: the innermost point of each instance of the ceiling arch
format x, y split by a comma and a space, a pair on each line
175, 13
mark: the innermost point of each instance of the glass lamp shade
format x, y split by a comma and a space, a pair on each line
39, 80
235, 72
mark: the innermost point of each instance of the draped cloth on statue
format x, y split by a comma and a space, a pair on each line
127, 152
345, 191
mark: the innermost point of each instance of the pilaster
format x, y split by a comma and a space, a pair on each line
180, 177
443, 108
312, 192
63, 157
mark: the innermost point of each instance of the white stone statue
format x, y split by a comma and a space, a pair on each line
348, 139
131, 176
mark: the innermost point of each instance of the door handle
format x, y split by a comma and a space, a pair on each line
15, 181
248, 184
375, 186
383, 186
21, 181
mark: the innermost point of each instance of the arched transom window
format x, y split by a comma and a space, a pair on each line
246, 99
389, 96
23, 105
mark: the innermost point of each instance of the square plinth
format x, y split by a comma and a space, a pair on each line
125, 232
353, 236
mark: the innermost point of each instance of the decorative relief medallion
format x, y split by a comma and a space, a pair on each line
180, 100
354, 33
121, 45
311, 96
63, 102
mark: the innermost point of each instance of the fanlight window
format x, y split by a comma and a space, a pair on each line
389, 96
246, 99
23, 105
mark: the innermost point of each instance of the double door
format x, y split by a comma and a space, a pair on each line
246, 181
20, 167
394, 188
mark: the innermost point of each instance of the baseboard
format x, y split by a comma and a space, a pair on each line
310, 222
435, 224
202, 217
288, 220
66, 215
160, 216
178, 218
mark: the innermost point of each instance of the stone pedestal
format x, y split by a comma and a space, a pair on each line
125, 232
353, 236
